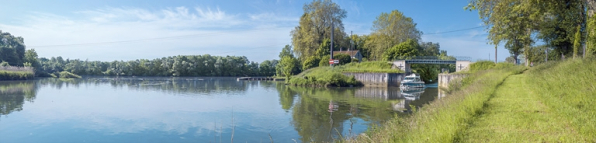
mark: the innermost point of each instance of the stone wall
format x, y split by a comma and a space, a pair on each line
378, 79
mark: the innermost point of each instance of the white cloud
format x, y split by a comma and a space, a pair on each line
166, 32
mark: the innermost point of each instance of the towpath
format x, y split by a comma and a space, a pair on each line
516, 114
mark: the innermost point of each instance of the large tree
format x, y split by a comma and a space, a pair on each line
390, 29
315, 26
519, 23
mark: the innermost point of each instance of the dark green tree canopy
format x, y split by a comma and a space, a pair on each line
409, 48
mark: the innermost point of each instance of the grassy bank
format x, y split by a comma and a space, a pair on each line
517, 114
328, 76
446, 119
569, 89
16, 75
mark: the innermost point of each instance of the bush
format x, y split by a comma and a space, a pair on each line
65, 74
343, 58
311, 62
324, 77
324, 61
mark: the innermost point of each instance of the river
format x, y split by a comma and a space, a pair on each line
197, 109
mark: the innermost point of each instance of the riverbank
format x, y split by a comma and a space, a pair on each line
16, 73
442, 120
333, 76
548, 103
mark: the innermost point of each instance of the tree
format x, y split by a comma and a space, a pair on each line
286, 51
287, 65
315, 25
406, 49
390, 29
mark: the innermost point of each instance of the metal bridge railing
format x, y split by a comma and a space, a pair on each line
436, 58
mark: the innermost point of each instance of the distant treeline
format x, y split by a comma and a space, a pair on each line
195, 65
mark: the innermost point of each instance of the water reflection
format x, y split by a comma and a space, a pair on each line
13, 95
143, 107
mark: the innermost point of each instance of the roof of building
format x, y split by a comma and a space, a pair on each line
352, 53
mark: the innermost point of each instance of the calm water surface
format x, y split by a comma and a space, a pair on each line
193, 110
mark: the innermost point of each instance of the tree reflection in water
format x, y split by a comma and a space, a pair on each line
13, 95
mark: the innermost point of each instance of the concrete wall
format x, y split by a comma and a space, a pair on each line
445, 79
378, 79
462, 65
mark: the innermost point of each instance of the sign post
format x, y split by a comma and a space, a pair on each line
335, 61
331, 61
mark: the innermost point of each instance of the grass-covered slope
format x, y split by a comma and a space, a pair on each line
333, 76
569, 88
445, 119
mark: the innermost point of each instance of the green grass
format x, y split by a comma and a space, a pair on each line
569, 89
516, 114
444, 119
328, 76
369, 67
552, 102
16, 75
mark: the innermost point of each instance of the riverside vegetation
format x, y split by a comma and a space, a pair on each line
333, 76
502, 103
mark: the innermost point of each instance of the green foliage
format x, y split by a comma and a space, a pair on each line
408, 48
311, 62
12, 49
195, 65
576, 42
4, 64
287, 65
315, 25
481, 65
390, 29
324, 62
343, 59
591, 40
323, 77
65, 74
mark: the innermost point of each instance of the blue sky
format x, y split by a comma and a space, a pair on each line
110, 30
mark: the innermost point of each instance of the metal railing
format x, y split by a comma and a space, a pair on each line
436, 58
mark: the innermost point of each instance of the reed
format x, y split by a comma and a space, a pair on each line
16, 73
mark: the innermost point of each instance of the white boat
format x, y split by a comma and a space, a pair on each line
411, 82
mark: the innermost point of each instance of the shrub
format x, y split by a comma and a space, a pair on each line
343, 58
324, 61
311, 62
65, 74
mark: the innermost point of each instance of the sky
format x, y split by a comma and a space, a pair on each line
108, 30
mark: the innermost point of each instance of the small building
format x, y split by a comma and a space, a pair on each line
355, 54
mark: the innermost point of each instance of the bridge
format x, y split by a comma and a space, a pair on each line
403, 63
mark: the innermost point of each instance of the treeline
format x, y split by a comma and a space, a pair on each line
566, 27
193, 65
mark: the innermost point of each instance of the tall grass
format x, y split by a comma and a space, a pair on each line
569, 87
16, 73
369, 67
443, 120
